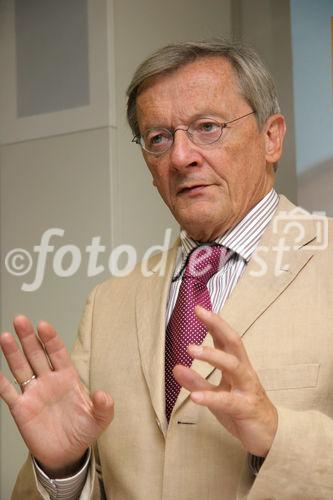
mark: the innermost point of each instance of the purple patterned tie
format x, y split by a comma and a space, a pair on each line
184, 328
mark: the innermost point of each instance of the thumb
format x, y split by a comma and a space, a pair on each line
103, 407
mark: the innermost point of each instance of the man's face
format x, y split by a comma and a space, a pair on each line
207, 188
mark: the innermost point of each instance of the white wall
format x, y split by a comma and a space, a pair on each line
61, 182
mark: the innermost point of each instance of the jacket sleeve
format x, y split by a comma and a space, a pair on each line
300, 462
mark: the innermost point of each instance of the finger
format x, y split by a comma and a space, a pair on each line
7, 391
15, 358
223, 335
229, 403
190, 379
31, 345
237, 372
54, 346
103, 407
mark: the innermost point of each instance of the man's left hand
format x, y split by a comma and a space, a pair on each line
239, 402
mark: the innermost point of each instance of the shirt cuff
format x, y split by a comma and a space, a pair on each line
255, 463
69, 488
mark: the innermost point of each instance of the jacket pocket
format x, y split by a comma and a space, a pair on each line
289, 376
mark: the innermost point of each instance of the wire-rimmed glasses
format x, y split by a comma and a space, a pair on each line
202, 131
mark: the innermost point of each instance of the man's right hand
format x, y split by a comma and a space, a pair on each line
55, 414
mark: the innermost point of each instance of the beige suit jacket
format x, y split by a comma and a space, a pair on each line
282, 308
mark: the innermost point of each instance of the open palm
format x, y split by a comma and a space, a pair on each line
55, 414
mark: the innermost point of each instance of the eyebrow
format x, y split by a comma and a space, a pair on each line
197, 116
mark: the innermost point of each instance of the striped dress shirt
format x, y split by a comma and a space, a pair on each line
242, 240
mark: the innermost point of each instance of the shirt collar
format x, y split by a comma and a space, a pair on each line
244, 237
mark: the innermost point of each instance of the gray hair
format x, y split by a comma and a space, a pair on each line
255, 82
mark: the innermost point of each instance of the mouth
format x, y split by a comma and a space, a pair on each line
192, 190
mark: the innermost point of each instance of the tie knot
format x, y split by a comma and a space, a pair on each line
205, 261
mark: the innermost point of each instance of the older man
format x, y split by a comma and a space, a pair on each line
208, 121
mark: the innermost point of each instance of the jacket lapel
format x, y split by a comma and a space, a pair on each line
150, 317
281, 254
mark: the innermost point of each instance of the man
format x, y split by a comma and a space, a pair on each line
207, 119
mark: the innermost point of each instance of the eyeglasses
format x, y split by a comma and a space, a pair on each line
203, 131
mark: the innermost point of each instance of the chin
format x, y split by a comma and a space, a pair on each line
203, 220
205, 228
202, 230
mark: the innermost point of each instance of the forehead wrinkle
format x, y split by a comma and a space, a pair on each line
161, 114
177, 98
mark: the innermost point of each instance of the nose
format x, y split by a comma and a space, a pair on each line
183, 152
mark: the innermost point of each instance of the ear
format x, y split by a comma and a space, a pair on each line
275, 130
